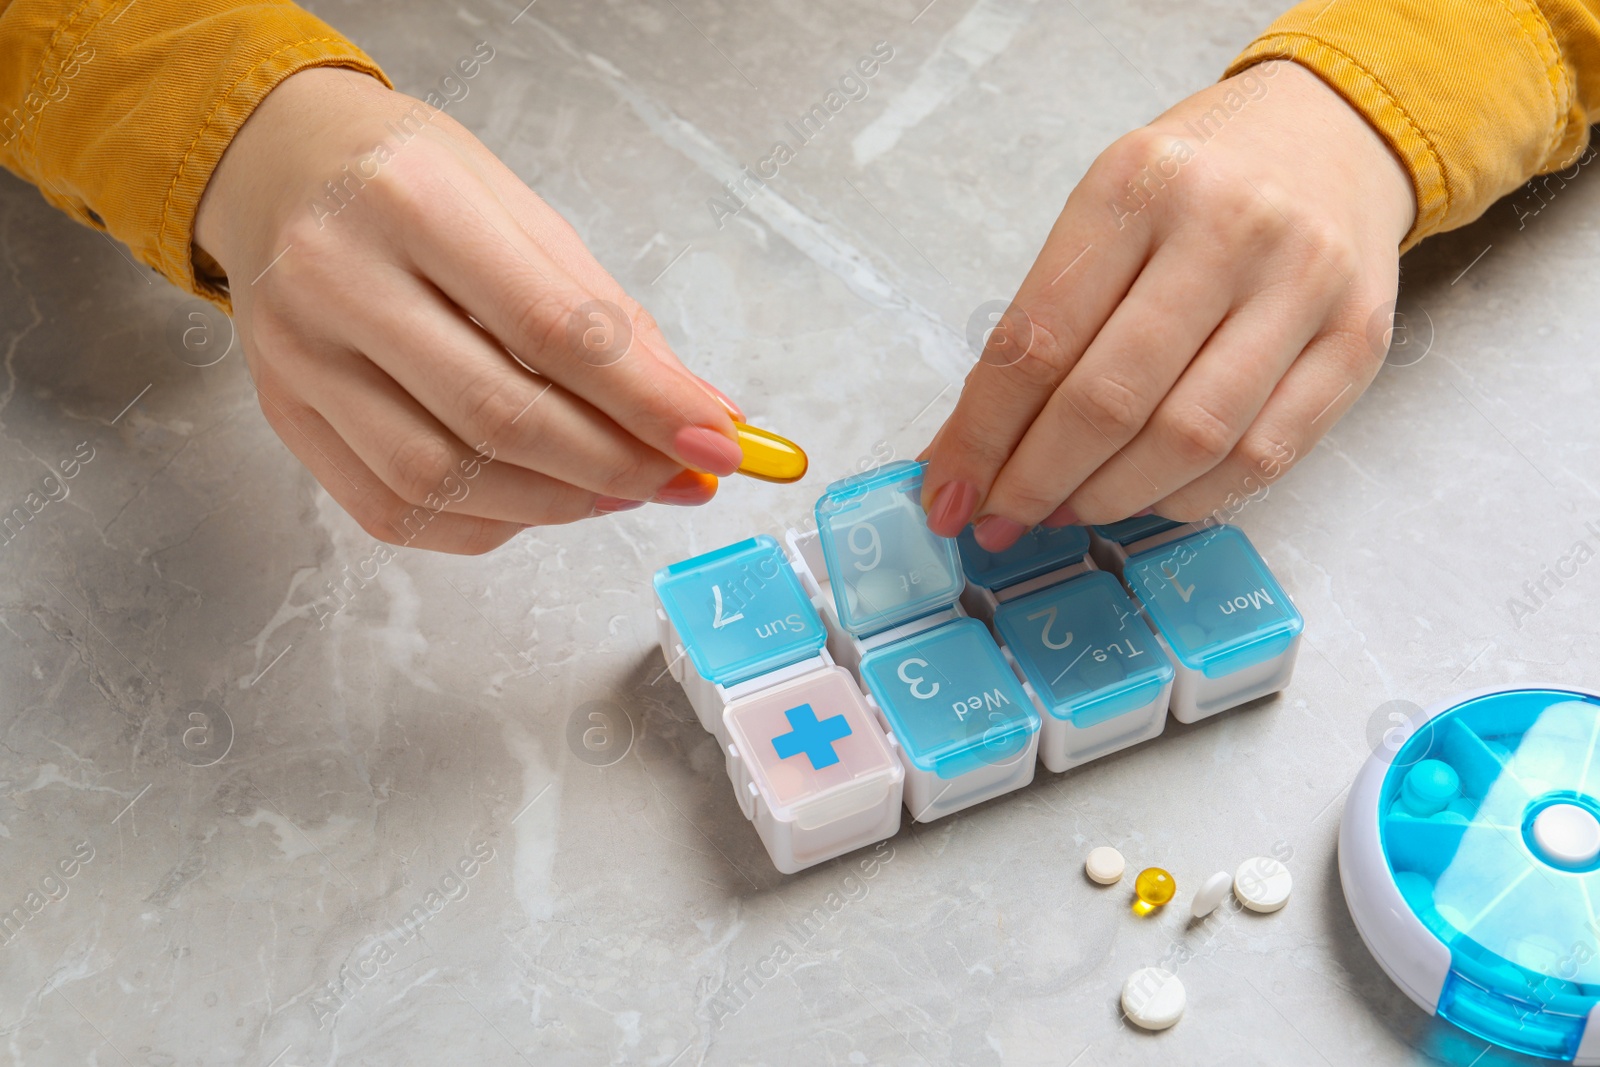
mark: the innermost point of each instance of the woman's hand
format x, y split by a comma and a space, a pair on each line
1196, 320
382, 262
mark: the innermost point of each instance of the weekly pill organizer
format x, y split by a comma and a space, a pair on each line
869, 665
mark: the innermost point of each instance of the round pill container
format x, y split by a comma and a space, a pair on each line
1470, 858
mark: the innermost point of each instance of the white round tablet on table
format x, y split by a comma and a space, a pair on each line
1210, 895
1262, 884
1104, 865
1153, 999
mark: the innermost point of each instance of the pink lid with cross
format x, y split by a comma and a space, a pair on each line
809, 739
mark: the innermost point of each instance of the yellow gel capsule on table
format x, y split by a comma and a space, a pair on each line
768, 456
1154, 887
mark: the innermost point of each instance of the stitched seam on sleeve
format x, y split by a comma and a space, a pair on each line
194, 145
1422, 135
47, 64
1555, 70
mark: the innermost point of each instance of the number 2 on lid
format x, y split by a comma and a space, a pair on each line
1049, 617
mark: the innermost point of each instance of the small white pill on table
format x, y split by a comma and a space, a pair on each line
1262, 884
1210, 895
1153, 999
1104, 865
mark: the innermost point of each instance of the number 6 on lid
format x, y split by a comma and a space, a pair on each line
886, 567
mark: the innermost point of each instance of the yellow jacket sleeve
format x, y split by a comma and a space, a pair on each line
1474, 96
119, 111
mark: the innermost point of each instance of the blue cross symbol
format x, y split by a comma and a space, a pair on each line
813, 738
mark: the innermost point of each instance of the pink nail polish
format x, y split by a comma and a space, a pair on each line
688, 489
722, 398
952, 508
1062, 516
996, 533
610, 505
707, 449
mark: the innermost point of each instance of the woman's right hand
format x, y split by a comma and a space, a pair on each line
382, 262
1233, 255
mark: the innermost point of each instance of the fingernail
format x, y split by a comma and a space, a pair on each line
1062, 516
996, 533
722, 398
708, 449
688, 489
608, 505
1142, 514
952, 508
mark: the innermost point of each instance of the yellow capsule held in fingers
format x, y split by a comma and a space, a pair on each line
769, 457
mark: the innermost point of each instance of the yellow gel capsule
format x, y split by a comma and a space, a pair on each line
1154, 887
768, 456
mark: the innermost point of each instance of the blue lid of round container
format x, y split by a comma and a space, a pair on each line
1489, 820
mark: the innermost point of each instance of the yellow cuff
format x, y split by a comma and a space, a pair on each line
126, 108
1474, 96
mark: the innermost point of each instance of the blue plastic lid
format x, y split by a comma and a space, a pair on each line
1084, 649
740, 611
886, 567
951, 699
1137, 528
1039, 551
1214, 600
1507, 873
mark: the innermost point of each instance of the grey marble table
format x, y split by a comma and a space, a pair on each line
313, 828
